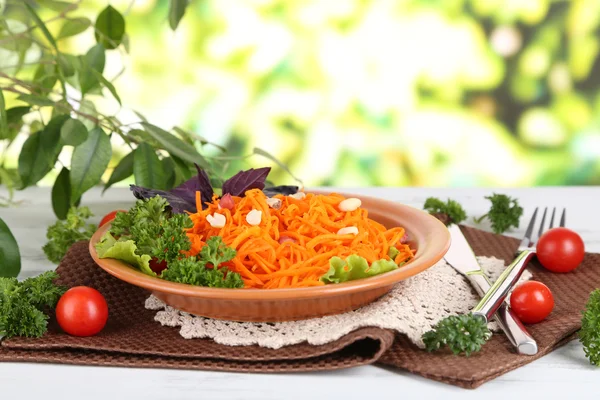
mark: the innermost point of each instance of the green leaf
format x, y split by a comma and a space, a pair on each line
183, 169
36, 100
109, 247
65, 65
61, 194
107, 84
3, 118
54, 5
45, 76
168, 167
73, 27
281, 165
175, 146
147, 168
89, 162
10, 258
39, 152
123, 170
94, 60
176, 12
190, 138
110, 28
73, 132
14, 117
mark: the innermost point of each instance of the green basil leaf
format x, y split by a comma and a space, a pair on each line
61, 194
176, 12
110, 28
123, 170
175, 146
10, 258
281, 165
36, 100
73, 27
108, 85
89, 161
168, 168
147, 168
40, 152
73, 132
94, 60
3, 118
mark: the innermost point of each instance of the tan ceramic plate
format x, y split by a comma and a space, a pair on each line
429, 236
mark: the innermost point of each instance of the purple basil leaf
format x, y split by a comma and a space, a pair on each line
187, 190
285, 190
238, 184
177, 203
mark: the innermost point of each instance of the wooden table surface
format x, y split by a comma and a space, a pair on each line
565, 372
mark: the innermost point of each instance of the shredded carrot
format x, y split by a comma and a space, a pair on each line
309, 227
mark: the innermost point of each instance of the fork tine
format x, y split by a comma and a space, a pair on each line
529, 231
552, 218
563, 218
541, 230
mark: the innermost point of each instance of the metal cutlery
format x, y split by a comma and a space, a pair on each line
460, 256
496, 295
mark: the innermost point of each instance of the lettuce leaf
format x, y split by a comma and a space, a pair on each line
125, 250
393, 252
355, 267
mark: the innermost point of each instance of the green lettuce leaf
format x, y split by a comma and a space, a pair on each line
393, 252
355, 267
125, 250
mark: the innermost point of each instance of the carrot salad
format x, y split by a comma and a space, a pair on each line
288, 241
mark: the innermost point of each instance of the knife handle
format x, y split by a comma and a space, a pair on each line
513, 328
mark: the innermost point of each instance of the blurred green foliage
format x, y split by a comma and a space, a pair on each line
372, 92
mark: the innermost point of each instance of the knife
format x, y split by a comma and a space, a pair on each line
460, 256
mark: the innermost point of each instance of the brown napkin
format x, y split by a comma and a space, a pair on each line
132, 338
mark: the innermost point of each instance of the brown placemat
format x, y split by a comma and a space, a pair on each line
497, 357
133, 339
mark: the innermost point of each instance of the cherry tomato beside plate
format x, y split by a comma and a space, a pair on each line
532, 302
109, 217
82, 311
560, 250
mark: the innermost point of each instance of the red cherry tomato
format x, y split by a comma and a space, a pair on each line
109, 217
82, 311
560, 250
532, 302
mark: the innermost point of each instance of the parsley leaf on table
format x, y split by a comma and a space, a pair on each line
589, 335
451, 208
22, 304
504, 213
464, 333
64, 233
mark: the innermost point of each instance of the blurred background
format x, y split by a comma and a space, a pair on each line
373, 93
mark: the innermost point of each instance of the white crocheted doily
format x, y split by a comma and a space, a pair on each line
411, 308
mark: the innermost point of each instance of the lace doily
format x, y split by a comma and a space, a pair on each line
413, 307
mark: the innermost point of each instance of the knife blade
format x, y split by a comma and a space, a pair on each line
461, 257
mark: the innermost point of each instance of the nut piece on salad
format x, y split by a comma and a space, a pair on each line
274, 203
216, 220
350, 204
348, 230
254, 217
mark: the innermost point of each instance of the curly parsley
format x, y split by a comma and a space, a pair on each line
22, 304
504, 213
461, 333
451, 208
589, 335
64, 233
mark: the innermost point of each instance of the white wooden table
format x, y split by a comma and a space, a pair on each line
565, 372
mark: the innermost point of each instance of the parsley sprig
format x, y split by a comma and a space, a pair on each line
504, 213
589, 335
464, 333
451, 208
23, 304
64, 233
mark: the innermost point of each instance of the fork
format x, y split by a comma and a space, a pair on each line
494, 297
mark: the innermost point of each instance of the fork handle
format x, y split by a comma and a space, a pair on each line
508, 321
493, 298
